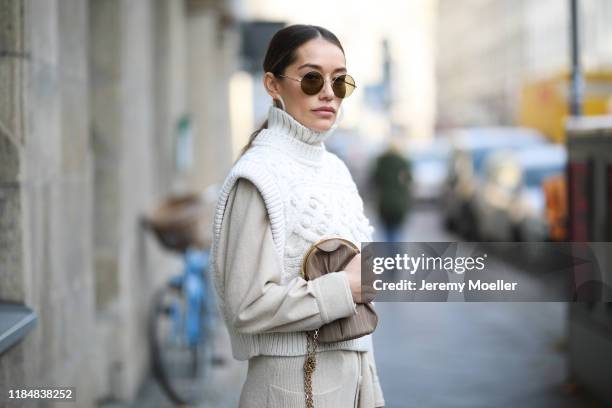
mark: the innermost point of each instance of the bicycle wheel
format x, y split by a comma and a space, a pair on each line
178, 366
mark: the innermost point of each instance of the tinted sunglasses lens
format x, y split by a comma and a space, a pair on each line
312, 83
343, 86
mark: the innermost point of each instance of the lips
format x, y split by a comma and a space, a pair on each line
325, 109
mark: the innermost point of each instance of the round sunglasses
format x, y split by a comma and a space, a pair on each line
312, 82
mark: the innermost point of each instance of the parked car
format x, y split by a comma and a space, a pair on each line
469, 150
429, 168
511, 203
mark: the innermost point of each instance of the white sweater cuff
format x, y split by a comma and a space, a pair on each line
334, 296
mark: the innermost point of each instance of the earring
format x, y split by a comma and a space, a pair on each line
280, 99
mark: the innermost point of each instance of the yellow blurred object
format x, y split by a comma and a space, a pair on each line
544, 103
555, 191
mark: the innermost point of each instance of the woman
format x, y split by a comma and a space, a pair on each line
283, 194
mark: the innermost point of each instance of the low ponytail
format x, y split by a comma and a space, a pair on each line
252, 137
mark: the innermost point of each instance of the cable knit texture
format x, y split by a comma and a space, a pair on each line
309, 194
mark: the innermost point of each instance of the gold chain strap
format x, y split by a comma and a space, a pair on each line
310, 364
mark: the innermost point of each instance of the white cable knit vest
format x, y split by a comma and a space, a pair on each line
309, 193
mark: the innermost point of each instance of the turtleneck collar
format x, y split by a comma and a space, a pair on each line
280, 120
285, 132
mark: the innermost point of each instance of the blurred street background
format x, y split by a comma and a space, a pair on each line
481, 120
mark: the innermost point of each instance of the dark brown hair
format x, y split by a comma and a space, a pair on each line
282, 52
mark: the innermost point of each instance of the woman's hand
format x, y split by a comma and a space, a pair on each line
363, 292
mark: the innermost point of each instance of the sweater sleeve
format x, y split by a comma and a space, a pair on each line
251, 268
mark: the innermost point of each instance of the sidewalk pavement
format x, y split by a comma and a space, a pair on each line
220, 389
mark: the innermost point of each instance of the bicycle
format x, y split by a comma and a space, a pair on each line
182, 318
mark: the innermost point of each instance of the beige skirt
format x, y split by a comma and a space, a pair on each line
342, 379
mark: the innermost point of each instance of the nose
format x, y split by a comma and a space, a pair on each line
327, 91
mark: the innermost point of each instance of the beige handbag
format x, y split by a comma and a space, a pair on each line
331, 255
326, 256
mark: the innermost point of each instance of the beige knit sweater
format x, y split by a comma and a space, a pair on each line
251, 272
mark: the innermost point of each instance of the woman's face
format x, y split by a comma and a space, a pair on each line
319, 55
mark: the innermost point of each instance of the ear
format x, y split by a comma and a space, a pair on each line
271, 84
